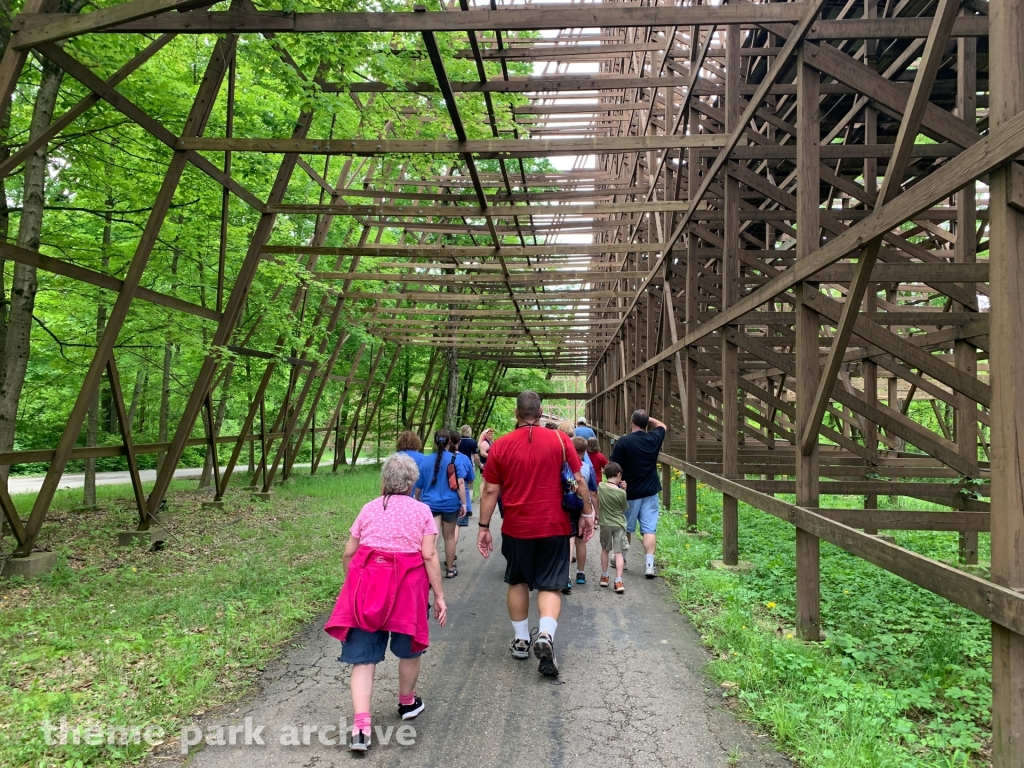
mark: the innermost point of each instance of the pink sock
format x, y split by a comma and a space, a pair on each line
406, 700
361, 722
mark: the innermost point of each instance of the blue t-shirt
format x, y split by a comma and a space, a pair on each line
587, 470
417, 457
584, 431
464, 462
435, 493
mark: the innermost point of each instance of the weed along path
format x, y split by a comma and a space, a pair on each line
631, 693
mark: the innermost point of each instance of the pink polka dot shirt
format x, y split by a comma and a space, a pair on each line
394, 524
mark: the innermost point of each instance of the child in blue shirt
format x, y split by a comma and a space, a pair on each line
439, 472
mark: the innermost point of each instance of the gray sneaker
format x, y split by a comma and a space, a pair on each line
520, 648
544, 650
649, 572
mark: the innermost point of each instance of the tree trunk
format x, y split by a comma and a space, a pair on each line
89, 486
165, 402
24, 286
165, 388
252, 443
452, 406
140, 387
92, 430
207, 476
404, 417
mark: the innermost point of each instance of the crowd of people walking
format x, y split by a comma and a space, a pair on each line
552, 488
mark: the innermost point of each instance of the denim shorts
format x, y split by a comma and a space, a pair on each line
362, 647
645, 510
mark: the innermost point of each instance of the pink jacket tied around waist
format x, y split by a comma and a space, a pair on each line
384, 591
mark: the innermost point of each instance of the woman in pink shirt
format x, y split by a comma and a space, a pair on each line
390, 563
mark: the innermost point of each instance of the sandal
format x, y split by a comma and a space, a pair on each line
452, 572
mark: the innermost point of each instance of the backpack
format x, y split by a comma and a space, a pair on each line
453, 480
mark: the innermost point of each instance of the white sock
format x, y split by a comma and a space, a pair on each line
548, 625
650, 560
604, 574
522, 629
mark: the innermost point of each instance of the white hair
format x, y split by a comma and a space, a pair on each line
399, 474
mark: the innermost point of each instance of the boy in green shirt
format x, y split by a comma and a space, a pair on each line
612, 505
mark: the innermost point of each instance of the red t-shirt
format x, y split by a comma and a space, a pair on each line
527, 463
600, 462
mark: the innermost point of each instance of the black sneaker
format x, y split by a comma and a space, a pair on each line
409, 711
567, 589
581, 577
544, 650
359, 741
520, 648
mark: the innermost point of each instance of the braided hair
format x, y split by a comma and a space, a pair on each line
441, 439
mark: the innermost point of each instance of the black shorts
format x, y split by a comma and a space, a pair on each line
541, 564
446, 517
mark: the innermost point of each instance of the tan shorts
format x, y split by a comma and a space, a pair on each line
612, 539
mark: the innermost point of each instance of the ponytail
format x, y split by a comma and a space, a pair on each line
440, 443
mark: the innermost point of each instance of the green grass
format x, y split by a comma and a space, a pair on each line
902, 680
129, 637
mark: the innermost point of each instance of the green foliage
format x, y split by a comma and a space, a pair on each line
105, 173
128, 638
902, 679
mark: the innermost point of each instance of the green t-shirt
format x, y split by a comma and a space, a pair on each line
613, 505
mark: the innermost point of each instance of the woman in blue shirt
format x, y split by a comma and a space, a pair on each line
410, 444
442, 487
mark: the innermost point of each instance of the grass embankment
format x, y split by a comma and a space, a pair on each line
903, 679
129, 637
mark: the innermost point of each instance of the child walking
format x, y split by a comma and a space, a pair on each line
612, 507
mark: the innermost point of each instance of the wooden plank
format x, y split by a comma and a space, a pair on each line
992, 601
497, 211
60, 26
100, 280
483, 147
805, 369
907, 520
1000, 145
202, 22
1006, 364
905, 351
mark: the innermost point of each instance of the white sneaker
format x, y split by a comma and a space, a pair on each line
649, 573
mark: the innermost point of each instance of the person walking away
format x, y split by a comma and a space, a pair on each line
469, 447
484, 443
637, 454
390, 560
409, 443
612, 517
524, 466
597, 458
580, 444
566, 426
442, 487
463, 464
582, 430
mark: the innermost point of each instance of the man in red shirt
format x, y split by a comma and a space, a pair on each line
524, 466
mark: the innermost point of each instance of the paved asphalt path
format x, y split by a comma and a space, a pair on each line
32, 483
631, 692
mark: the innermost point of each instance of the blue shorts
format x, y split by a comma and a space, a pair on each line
362, 647
646, 510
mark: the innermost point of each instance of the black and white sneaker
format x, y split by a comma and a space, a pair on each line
359, 741
544, 650
520, 648
409, 711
